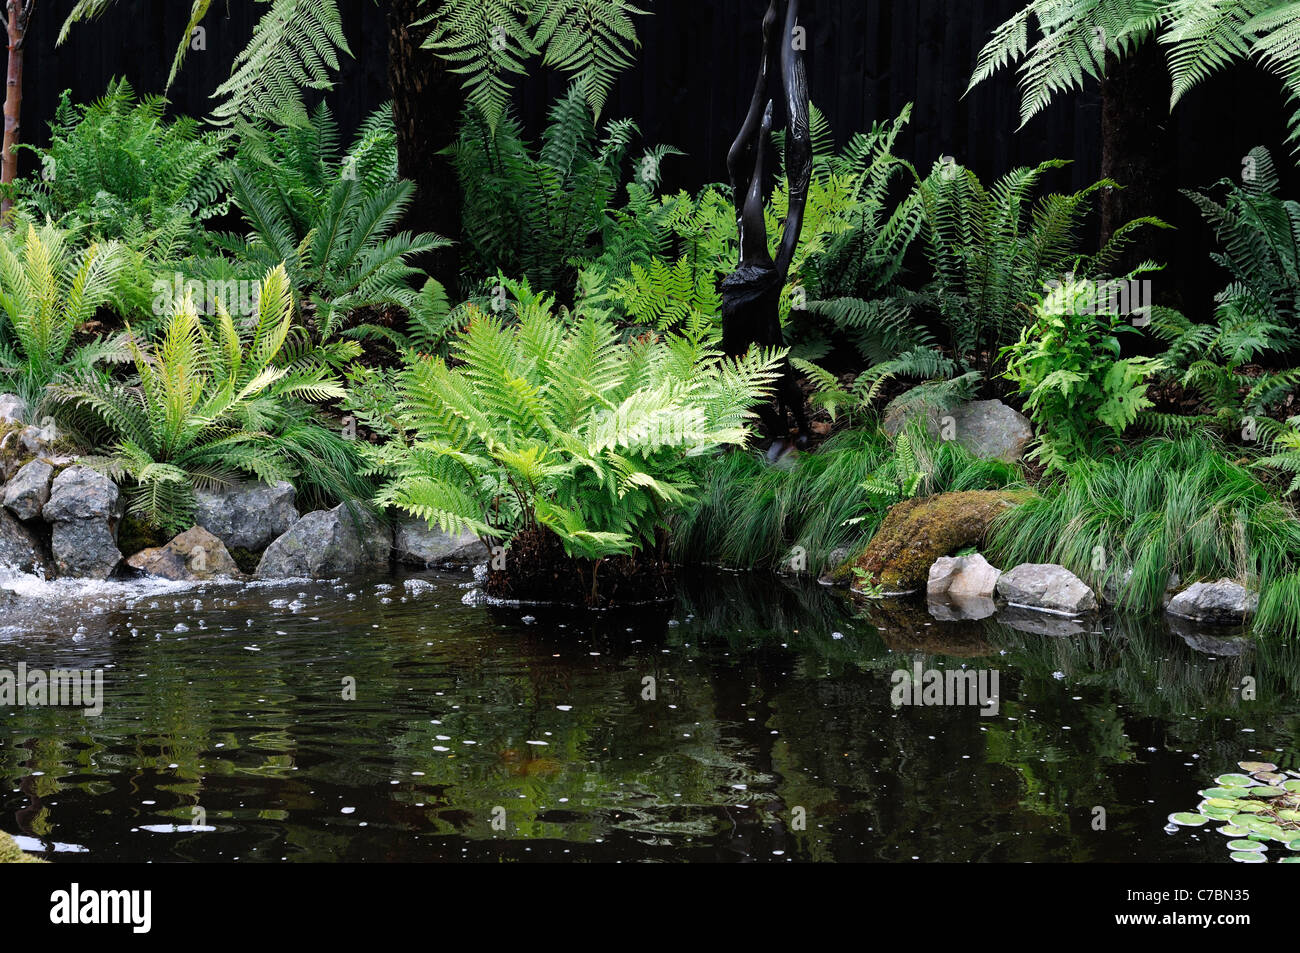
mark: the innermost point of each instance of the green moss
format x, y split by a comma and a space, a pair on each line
917, 532
136, 535
245, 559
11, 853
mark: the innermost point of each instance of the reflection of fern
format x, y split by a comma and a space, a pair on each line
490, 42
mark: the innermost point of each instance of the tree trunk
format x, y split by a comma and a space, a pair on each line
19, 15
1137, 154
427, 102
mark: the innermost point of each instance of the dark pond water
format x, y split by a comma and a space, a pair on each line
228, 731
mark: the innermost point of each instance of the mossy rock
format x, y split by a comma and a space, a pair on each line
917, 532
11, 853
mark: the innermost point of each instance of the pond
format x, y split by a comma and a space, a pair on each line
752, 720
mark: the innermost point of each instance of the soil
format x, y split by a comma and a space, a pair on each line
537, 569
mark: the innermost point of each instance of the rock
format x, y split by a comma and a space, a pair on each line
85, 549
1223, 602
1047, 588
328, 543
989, 429
194, 555
11, 853
80, 493
962, 577
29, 490
13, 409
416, 543
250, 516
836, 573
20, 445
915, 533
19, 547
86, 508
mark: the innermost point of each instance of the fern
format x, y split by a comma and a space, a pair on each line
295, 46
214, 402
47, 293
548, 421
491, 41
1072, 39
329, 219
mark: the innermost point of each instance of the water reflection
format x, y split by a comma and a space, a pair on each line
386, 720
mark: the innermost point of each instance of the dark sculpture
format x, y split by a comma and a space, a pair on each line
751, 294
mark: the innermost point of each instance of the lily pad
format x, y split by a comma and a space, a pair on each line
1250, 767
1266, 791
1246, 845
1250, 807
1232, 830
1248, 857
1225, 792
1292, 785
1289, 860
1184, 819
1216, 813
1235, 780
1269, 777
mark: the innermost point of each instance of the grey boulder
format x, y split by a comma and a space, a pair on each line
13, 409
29, 490
962, 577
1046, 587
416, 543
85, 507
1222, 602
19, 547
329, 543
249, 516
989, 429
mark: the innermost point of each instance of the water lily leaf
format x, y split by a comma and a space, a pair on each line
1293, 785
1248, 857
1225, 792
1222, 802
1250, 767
1216, 813
1184, 819
1250, 807
1232, 830
1266, 791
1235, 780
1269, 777
1246, 845
1289, 860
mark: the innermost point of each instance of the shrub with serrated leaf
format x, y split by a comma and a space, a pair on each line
551, 422
214, 402
1078, 391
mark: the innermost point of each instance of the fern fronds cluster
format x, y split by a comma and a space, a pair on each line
551, 421
1056, 45
490, 42
213, 402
